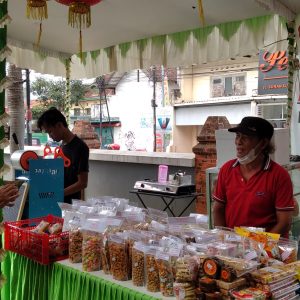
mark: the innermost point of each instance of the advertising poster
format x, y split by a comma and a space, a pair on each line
273, 73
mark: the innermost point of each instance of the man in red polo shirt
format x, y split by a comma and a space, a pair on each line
253, 190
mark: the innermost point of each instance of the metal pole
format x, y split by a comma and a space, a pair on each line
100, 121
153, 104
29, 134
109, 121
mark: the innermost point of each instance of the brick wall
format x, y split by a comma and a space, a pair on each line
206, 156
86, 132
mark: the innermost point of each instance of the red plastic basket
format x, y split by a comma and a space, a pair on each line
41, 247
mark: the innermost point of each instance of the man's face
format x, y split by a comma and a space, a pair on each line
244, 143
55, 132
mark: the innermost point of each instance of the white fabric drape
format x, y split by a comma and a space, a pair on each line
166, 52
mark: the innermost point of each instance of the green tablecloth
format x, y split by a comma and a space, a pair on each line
28, 280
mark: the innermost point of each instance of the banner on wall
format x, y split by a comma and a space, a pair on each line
164, 122
273, 72
166, 91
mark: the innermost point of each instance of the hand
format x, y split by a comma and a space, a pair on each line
8, 194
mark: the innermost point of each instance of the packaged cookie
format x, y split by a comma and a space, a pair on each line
118, 257
104, 255
138, 264
41, 227
288, 250
185, 291
211, 267
91, 246
151, 270
186, 269
75, 237
271, 274
165, 271
55, 228
92, 233
239, 265
208, 285
250, 293
227, 274
132, 238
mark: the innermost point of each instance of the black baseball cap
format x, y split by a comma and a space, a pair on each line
254, 126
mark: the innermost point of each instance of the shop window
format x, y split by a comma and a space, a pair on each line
88, 111
226, 86
76, 111
275, 113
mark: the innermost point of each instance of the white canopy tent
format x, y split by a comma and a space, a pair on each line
132, 34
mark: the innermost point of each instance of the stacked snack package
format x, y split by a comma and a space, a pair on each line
104, 255
276, 282
179, 256
165, 271
118, 257
75, 237
201, 220
221, 274
132, 237
186, 275
173, 246
113, 225
178, 224
151, 270
91, 245
138, 264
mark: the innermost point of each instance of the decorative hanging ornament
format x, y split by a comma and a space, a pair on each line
37, 10
79, 15
201, 12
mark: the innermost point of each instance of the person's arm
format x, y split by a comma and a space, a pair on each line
79, 185
8, 194
219, 214
296, 208
284, 221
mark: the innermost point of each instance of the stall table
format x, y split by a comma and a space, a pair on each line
28, 280
167, 199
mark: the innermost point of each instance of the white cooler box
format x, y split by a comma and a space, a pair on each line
226, 147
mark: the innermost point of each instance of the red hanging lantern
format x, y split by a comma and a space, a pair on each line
79, 14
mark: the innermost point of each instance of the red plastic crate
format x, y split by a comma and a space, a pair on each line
41, 247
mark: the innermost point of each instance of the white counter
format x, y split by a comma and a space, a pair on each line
137, 157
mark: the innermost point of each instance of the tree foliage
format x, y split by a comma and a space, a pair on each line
38, 110
53, 92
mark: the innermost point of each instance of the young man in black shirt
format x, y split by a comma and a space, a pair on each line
54, 123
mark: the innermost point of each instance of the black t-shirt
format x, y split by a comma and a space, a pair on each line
78, 153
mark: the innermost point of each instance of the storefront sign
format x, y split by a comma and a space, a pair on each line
273, 73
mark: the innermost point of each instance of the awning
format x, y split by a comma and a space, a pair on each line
198, 46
